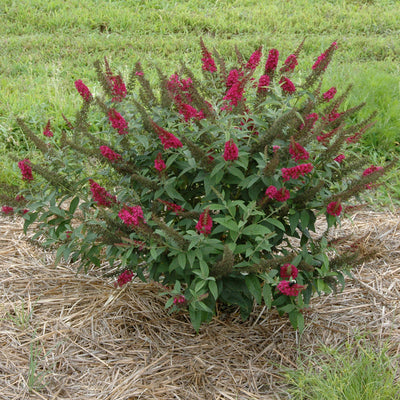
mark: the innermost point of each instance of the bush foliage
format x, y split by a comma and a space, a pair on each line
211, 185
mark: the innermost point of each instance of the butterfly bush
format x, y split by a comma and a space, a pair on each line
220, 185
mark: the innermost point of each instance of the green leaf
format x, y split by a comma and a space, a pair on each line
293, 221
212, 285
227, 222
205, 308
249, 181
57, 211
253, 284
182, 260
173, 193
73, 205
204, 268
267, 295
304, 218
288, 308
169, 302
255, 230
276, 223
236, 172
195, 317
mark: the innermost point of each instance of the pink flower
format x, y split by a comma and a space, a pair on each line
132, 216
370, 170
288, 271
7, 210
339, 158
124, 278
263, 83
233, 77
234, 95
272, 61
171, 206
323, 60
324, 138
167, 138
254, 60
275, 148
118, 122
179, 300
118, 89
330, 94
47, 130
290, 288
298, 152
189, 112
205, 223
310, 121
287, 85
68, 234
290, 64
179, 89
295, 172
208, 61
281, 194
26, 169
334, 208
83, 90
159, 163
100, 195
139, 73
110, 154
231, 152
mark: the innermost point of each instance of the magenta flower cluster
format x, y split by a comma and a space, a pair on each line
204, 225
231, 152
100, 195
296, 172
26, 169
131, 216
110, 154
281, 194
118, 122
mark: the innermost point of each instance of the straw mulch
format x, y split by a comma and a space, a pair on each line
68, 336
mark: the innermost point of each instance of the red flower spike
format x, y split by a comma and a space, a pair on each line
287, 85
231, 152
7, 210
330, 94
290, 64
110, 154
83, 90
47, 130
26, 169
131, 216
339, 158
334, 208
289, 288
167, 138
204, 225
272, 61
100, 195
263, 83
288, 271
159, 163
297, 151
118, 88
254, 60
296, 172
118, 122
208, 61
124, 278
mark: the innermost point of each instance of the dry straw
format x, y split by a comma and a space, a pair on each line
68, 336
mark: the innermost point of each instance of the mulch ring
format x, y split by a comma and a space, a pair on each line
69, 336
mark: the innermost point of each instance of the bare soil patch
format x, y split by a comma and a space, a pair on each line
92, 341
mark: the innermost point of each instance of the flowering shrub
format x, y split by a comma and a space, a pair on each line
210, 186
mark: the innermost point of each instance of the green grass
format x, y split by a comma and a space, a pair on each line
357, 372
47, 45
